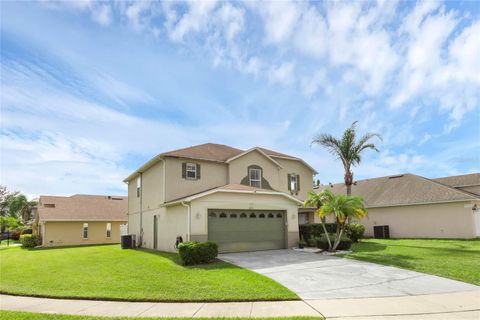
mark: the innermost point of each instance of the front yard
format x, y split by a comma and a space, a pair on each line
455, 259
108, 272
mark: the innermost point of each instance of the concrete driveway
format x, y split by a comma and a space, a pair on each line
315, 276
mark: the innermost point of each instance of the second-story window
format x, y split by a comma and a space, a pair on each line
294, 182
255, 177
139, 184
191, 171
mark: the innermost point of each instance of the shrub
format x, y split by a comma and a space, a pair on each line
354, 231
197, 252
15, 235
29, 240
27, 231
315, 229
345, 242
312, 242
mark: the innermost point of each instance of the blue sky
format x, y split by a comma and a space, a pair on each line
92, 90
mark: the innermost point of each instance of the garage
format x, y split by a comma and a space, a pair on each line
247, 230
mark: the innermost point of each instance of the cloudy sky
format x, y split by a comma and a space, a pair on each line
92, 90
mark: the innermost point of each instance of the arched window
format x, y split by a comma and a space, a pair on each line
261, 215
279, 215
270, 215
243, 215
223, 215
233, 215
252, 215
212, 215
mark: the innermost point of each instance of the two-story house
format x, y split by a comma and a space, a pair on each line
242, 200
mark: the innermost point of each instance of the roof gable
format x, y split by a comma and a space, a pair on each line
256, 149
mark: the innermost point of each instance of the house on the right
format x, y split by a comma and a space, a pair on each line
416, 207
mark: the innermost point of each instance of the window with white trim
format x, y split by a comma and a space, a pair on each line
85, 231
109, 230
293, 182
191, 171
255, 177
139, 185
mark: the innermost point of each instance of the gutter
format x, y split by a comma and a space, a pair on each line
189, 217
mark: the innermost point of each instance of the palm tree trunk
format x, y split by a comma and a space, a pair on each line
323, 220
348, 181
338, 238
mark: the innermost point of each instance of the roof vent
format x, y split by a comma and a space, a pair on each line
49, 205
394, 177
116, 198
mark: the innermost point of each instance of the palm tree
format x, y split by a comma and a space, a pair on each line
316, 200
342, 207
347, 149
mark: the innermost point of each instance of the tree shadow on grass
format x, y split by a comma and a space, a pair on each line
368, 247
394, 260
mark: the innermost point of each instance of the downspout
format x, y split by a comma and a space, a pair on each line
189, 217
141, 210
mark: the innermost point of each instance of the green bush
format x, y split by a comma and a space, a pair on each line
312, 242
197, 252
315, 230
345, 242
354, 231
29, 240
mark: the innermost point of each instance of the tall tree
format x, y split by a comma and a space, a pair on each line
348, 149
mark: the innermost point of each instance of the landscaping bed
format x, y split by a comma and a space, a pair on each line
455, 259
110, 273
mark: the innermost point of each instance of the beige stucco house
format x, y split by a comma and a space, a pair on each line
242, 200
80, 219
416, 207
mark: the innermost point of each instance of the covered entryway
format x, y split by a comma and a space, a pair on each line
247, 230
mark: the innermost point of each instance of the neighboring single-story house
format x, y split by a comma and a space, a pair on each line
244, 200
80, 219
416, 207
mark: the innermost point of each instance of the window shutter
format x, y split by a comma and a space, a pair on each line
289, 182
184, 170
298, 182
198, 171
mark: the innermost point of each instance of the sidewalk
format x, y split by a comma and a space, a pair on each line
460, 305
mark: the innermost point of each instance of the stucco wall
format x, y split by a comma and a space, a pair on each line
238, 168
211, 175
152, 187
447, 220
71, 233
296, 167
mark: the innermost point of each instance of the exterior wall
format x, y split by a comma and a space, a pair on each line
446, 220
133, 200
172, 222
212, 175
199, 211
152, 187
238, 169
296, 167
71, 233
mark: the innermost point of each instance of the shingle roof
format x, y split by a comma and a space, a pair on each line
401, 190
83, 207
209, 152
463, 180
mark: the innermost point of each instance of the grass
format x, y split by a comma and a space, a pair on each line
14, 315
5, 243
455, 259
107, 272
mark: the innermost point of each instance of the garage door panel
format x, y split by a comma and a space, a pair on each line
241, 230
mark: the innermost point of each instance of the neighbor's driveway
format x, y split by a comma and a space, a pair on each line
316, 276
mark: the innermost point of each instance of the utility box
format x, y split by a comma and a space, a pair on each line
128, 241
381, 232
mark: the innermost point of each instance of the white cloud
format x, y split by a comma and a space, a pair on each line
283, 74
195, 19
280, 18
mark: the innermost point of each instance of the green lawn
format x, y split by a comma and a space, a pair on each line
9, 243
12, 315
108, 272
455, 259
